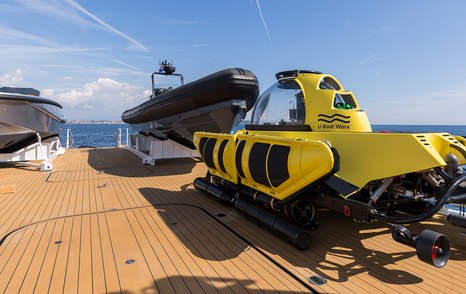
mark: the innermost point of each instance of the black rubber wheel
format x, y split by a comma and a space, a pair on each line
302, 213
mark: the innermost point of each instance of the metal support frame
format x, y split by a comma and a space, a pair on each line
44, 151
150, 149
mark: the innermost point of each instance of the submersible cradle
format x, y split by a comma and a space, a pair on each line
310, 145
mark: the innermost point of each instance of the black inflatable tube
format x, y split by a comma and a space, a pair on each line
224, 85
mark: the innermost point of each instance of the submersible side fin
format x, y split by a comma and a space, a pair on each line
341, 186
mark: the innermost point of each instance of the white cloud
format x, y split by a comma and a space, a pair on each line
11, 79
103, 94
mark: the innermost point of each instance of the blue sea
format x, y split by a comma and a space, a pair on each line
104, 135
93, 135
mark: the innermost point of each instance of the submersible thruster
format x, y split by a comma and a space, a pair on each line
309, 145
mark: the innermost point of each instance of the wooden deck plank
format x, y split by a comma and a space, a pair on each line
224, 276
52, 277
136, 275
7, 188
86, 275
61, 200
27, 269
155, 254
111, 209
16, 260
216, 275
246, 264
98, 273
72, 268
11, 246
169, 261
21, 208
110, 200
40, 272
112, 281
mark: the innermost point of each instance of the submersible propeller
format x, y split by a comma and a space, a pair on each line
431, 247
299, 237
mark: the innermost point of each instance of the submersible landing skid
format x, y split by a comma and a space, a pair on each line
299, 237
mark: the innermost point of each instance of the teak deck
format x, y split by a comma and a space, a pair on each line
103, 222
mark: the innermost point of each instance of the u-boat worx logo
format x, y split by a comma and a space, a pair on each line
328, 121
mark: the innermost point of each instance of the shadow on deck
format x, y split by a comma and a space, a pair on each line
340, 248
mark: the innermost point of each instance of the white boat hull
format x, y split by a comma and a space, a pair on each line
23, 117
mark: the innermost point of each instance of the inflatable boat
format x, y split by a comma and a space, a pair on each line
310, 145
215, 103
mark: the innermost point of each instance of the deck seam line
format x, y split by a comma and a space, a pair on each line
151, 245
271, 259
43, 260
56, 256
139, 246
141, 182
21, 257
113, 251
236, 266
214, 269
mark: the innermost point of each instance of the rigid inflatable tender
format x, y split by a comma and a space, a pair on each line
310, 145
214, 103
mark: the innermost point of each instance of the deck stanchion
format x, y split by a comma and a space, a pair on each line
68, 138
118, 138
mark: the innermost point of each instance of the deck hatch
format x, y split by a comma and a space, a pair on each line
317, 280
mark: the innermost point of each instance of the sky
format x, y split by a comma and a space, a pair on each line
404, 60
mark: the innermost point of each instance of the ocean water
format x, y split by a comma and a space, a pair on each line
104, 135
454, 130
93, 135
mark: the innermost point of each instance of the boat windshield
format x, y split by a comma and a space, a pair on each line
281, 104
